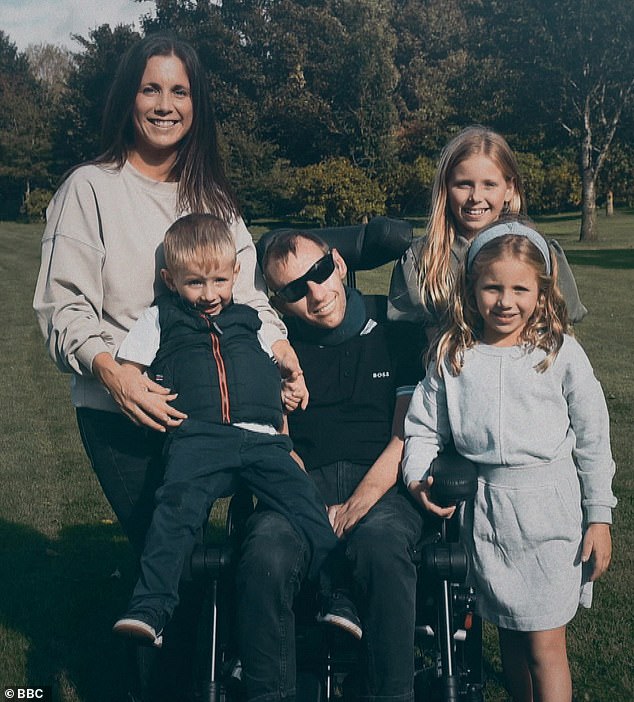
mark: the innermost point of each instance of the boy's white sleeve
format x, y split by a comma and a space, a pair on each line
143, 340
427, 428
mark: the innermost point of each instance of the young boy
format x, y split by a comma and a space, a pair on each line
204, 347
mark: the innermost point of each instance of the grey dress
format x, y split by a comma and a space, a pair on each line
541, 444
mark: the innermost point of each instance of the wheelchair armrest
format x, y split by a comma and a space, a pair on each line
455, 478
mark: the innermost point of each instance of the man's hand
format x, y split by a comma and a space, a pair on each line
421, 492
597, 547
344, 517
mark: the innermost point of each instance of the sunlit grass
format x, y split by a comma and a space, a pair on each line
67, 570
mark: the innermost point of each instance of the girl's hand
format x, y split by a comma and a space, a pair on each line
140, 399
421, 492
597, 545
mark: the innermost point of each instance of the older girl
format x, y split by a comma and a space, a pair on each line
476, 182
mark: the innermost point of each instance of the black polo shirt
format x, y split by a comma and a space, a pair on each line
353, 388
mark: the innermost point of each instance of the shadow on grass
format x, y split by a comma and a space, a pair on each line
622, 259
62, 596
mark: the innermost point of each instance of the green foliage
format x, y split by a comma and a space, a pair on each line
336, 193
551, 181
532, 173
619, 174
408, 186
78, 123
24, 135
35, 204
378, 82
562, 185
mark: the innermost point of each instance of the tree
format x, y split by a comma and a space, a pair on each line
51, 66
78, 125
24, 134
575, 59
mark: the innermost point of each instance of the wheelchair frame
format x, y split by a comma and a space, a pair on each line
448, 633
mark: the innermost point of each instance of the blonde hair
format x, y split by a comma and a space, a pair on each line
197, 237
545, 328
435, 276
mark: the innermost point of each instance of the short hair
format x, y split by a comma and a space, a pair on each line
284, 243
197, 237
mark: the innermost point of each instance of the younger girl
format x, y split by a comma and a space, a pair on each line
518, 395
477, 180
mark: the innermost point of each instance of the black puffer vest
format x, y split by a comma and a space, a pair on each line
216, 364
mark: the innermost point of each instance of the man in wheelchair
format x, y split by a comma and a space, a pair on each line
360, 372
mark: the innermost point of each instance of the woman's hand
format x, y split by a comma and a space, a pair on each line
421, 492
140, 399
597, 546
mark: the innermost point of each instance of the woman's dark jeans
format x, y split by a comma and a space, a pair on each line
383, 554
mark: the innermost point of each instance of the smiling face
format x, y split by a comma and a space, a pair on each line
207, 287
163, 112
506, 294
324, 304
477, 191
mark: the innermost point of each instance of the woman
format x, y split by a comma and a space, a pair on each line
101, 257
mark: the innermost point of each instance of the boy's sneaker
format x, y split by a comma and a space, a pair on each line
340, 611
136, 628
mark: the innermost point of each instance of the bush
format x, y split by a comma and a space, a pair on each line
551, 181
409, 185
532, 172
35, 203
336, 193
562, 186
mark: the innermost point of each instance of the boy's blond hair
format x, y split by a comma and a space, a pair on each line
198, 237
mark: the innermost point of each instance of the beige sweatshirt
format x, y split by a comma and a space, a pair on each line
100, 269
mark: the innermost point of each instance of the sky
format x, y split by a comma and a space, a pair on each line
53, 21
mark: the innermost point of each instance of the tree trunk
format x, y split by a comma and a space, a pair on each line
609, 204
589, 230
588, 189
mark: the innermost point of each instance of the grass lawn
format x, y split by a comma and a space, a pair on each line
66, 568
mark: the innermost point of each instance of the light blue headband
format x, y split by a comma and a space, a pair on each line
502, 229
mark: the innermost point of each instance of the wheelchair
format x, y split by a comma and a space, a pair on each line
448, 650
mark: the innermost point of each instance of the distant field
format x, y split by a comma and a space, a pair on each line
66, 568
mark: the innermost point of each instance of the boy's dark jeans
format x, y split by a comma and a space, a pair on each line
202, 463
383, 553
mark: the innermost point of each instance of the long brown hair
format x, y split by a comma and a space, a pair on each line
545, 328
202, 184
436, 278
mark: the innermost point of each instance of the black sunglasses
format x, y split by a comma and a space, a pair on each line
319, 272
